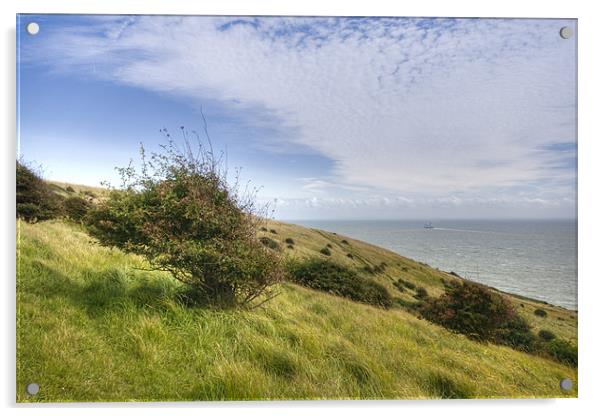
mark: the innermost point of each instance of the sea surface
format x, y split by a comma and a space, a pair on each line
537, 259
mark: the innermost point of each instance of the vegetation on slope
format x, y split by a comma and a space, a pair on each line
179, 212
39, 200
398, 271
339, 280
92, 326
159, 217
35, 198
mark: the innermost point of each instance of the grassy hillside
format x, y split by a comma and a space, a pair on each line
69, 189
92, 327
308, 242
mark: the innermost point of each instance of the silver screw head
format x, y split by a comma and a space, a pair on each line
32, 388
32, 28
566, 384
566, 32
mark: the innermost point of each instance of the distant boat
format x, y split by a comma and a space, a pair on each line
428, 225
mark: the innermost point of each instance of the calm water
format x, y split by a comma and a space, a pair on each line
537, 259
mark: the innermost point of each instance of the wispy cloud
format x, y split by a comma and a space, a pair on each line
410, 108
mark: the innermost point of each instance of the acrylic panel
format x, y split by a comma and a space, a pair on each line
217, 208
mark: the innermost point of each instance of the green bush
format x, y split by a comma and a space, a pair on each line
273, 231
35, 200
399, 285
69, 189
476, 311
546, 335
333, 278
515, 333
76, 208
328, 245
181, 214
350, 255
421, 293
540, 312
269, 243
345, 242
325, 251
289, 241
368, 269
263, 229
290, 246
407, 284
562, 351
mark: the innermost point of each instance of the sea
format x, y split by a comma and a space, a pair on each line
533, 258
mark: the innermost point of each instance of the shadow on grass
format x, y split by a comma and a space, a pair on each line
442, 386
101, 292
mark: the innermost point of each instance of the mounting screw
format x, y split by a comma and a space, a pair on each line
566, 384
32, 28
566, 32
32, 388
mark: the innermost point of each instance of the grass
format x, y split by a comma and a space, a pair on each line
93, 192
91, 326
365, 256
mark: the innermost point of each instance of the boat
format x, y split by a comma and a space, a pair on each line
428, 225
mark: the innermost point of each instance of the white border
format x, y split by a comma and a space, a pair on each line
590, 207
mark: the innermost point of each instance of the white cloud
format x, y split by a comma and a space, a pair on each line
454, 107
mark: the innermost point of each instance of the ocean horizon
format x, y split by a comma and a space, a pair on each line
527, 257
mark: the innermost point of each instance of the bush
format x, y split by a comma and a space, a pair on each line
325, 251
35, 200
69, 189
263, 229
515, 333
182, 215
546, 335
269, 243
380, 268
345, 242
290, 246
350, 255
329, 245
540, 312
273, 231
289, 241
399, 285
407, 284
421, 293
338, 280
76, 208
476, 311
562, 351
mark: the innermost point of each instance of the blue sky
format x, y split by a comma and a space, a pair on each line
334, 118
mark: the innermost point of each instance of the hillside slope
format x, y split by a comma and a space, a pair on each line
308, 242
91, 326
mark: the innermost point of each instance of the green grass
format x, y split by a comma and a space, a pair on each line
93, 192
309, 242
92, 327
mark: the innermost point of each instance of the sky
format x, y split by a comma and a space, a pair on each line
332, 118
